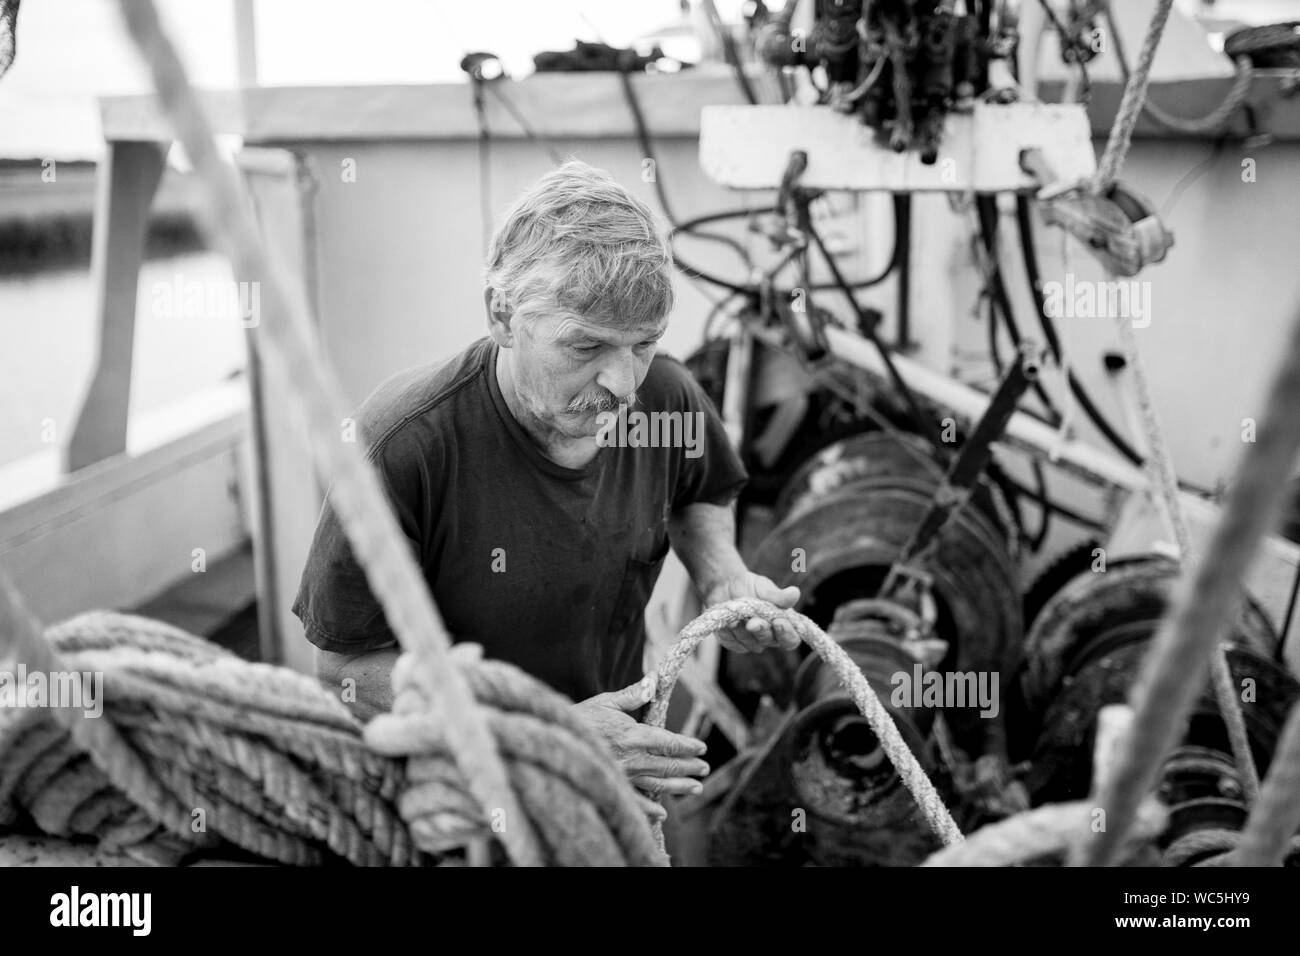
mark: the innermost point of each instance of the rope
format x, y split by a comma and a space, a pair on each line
1174, 669
1219, 847
1212, 121
20, 642
286, 338
737, 612
1218, 117
582, 805
1160, 467
1199, 843
1275, 817
247, 754
279, 767
1130, 107
1044, 831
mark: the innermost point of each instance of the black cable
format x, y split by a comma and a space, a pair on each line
986, 206
992, 322
1040, 478
690, 227
729, 52
1077, 388
902, 258
1045, 524
1025, 227
998, 367
1062, 35
1040, 496
647, 151
1048, 505
867, 327
718, 308
687, 227
1081, 395
1051, 15
484, 163
519, 118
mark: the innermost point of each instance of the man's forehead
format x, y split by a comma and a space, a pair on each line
575, 326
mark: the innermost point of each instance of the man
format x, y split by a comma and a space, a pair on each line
541, 528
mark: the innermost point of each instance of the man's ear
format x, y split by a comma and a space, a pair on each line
498, 317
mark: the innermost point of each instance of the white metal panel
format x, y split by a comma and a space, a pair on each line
747, 147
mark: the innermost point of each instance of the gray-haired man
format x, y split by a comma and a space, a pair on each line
540, 528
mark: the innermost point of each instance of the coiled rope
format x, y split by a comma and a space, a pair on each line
257, 756
582, 805
737, 612
266, 759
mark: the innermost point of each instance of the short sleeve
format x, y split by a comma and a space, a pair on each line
334, 601
716, 475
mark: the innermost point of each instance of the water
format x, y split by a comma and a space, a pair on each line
49, 341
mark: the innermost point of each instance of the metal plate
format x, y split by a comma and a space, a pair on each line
747, 147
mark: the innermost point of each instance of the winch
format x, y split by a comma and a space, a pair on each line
1084, 652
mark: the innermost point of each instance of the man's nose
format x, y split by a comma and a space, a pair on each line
619, 374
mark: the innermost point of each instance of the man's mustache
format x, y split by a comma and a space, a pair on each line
606, 402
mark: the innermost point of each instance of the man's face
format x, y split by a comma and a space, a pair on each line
568, 370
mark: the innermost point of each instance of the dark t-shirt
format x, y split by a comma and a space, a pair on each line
548, 567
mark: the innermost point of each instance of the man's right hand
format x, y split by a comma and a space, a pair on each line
657, 761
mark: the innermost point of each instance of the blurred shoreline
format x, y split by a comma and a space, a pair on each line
46, 216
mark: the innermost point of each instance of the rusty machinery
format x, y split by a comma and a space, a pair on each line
902, 65
905, 547
906, 555
1083, 652
903, 553
905, 544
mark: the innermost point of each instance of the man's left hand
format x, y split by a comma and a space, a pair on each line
756, 634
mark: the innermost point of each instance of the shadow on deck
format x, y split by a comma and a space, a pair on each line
219, 605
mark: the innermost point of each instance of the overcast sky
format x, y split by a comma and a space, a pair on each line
71, 51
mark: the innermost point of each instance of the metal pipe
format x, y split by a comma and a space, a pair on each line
955, 490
